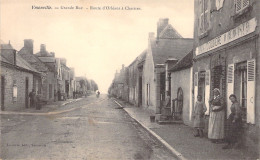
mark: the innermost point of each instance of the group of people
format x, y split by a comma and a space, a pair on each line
217, 120
34, 99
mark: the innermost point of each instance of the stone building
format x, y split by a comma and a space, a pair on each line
135, 79
63, 77
167, 44
48, 58
226, 56
181, 89
72, 82
48, 75
18, 78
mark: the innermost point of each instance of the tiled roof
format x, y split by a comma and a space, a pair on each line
169, 32
3, 59
23, 63
33, 60
47, 59
6, 46
20, 62
163, 49
184, 63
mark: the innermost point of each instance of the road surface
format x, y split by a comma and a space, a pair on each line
94, 129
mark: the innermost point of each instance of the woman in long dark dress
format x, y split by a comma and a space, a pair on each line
234, 123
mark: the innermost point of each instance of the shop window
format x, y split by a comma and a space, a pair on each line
241, 5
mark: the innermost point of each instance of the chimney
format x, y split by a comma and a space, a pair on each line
52, 54
28, 44
43, 48
63, 61
161, 24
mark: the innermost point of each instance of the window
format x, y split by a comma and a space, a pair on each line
204, 17
243, 92
241, 5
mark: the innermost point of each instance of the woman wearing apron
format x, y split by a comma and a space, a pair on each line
216, 117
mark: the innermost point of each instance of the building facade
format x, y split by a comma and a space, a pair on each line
181, 89
226, 54
47, 75
18, 78
167, 44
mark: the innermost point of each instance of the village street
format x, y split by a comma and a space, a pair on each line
95, 129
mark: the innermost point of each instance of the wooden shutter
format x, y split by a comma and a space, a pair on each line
195, 87
207, 90
230, 85
241, 4
251, 91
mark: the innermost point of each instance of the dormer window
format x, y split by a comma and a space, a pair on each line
240, 5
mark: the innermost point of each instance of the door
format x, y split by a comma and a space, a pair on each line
178, 110
140, 91
201, 86
26, 92
50, 91
2, 93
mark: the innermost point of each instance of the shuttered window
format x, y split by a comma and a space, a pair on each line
250, 91
196, 79
230, 74
204, 17
230, 85
251, 70
241, 4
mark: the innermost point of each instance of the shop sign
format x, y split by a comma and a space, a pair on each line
236, 33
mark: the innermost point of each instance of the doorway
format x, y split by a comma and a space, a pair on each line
2, 93
179, 108
140, 91
26, 92
201, 86
240, 89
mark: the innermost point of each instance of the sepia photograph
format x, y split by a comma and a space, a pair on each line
130, 79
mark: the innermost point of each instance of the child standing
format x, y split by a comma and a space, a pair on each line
199, 111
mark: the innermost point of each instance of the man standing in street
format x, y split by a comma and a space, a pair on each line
32, 98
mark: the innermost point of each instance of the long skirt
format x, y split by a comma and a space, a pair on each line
198, 122
234, 130
216, 125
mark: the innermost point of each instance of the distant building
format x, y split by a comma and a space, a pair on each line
49, 60
135, 79
63, 76
48, 75
167, 44
18, 78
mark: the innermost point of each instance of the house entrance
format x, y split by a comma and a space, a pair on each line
179, 106
2, 93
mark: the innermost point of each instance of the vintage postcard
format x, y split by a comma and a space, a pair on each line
129, 79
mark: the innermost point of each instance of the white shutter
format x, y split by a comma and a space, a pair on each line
251, 91
230, 86
195, 87
207, 90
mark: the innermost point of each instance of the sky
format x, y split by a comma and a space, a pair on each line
95, 42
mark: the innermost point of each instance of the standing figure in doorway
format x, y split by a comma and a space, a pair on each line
216, 117
32, 96
199, 112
